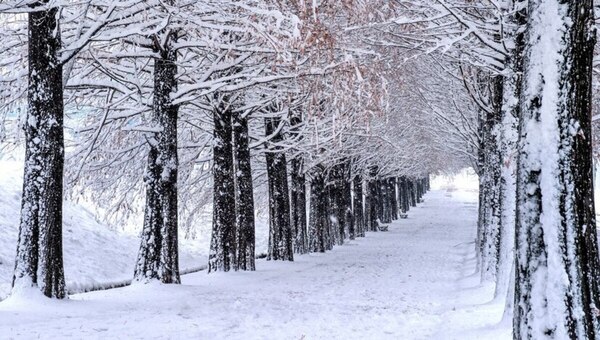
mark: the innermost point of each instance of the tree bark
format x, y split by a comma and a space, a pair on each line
404, 195
557, 269
372, 203
244, 196
158, 257
347, 203
508, 143
338, 200
222, 256
319, 219
359, 220
298, 198
492, 176
393, 192
39, 260
149, 256
280, 229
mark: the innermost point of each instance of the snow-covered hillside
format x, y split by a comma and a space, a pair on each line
92, 252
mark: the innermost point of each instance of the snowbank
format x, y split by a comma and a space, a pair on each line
93, 254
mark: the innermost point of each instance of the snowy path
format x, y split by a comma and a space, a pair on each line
409, 283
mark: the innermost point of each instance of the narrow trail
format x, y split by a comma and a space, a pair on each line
413, 282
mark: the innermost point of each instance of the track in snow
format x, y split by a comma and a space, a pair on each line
413, 282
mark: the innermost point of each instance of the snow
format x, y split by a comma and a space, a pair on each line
93, 254
416, 281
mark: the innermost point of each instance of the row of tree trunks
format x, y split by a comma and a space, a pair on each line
233, 234
394, 197
339, 207
374, 202
536, 228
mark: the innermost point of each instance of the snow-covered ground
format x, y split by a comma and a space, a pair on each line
92, 252
416, 281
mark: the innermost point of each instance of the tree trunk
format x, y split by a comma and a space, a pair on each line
39, 260
556, 293
359, 220
380, 199
404, 195
165, 83
222, 256
244, 195
347, 201
280, 229
393, 190
298, 199
340, 201
508, 143
319, 220
158, 257
492, 177
372, 206
148, 262
413, 193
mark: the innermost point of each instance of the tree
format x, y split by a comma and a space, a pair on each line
298, 196
556, 245
244, 195
358, 206
280, 229
223, 241
39, 259
319, 220
158, 257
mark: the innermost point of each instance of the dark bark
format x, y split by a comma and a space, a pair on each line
347, 204
319, 219
165, 84
368, 216
280, 229
298, 198
380, 199
359, 219
492, 176
562, 252
158, 257
404, 195
222, 255
148, 261
392, 191
372, 203
387, 201
298, 206
412, 188
582, 166
244, 196
39, 249
339, 202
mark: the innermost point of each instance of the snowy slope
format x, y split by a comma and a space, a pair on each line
92, 252
414, 282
